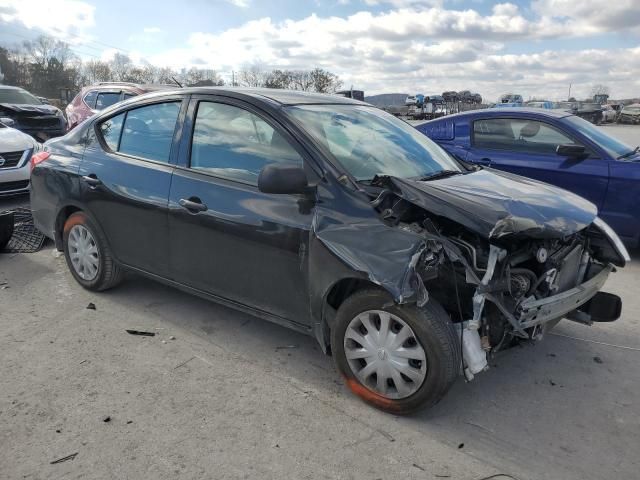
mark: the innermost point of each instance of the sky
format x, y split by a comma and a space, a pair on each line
536, 48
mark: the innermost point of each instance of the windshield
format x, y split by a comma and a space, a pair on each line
367, 141
17, 96
614, 147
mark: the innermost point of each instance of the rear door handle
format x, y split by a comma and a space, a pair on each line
92, 180
193, 205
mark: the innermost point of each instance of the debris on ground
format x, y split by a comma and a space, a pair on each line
140, 332
418, 467
551, 354
284, 347
91, 306
64, 459
129, 422
597, 360
106, 419
461, 445
552, 383
172, 337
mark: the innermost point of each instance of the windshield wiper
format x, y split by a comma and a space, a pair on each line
628, 154
436, 175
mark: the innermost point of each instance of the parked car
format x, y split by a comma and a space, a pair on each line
609, 114
331, 217
16, 149
590, 111
630, 114
95, 98
554, 147
26, 113
511, 98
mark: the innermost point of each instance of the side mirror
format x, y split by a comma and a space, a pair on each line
283, 178
7, 122
571, 151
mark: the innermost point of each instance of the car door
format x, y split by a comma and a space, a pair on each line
226, 237
528, 147
125, 178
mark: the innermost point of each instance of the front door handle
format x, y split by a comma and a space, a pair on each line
484, 161
92, 180
192, 204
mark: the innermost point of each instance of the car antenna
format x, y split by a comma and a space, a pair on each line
177, 82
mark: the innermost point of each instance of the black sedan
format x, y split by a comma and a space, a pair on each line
331, 217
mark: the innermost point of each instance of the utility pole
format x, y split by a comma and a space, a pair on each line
233, 79
569, 92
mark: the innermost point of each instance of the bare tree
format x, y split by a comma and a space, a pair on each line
324, 81
253, 76
120, 65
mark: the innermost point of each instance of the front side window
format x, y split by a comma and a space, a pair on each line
233, 143
145, 132
106, 99
520, 135
367, 141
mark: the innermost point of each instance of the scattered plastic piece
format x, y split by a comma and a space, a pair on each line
140, 332
91, 306
64, 459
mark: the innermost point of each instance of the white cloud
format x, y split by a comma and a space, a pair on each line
152, 30
65, 19
239, 3
418, 48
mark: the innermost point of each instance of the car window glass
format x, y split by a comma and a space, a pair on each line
232, 143
148, 131
129, 95
519, 135
110, 131
90, 99
106, 99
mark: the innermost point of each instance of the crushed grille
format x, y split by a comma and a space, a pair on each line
26, 238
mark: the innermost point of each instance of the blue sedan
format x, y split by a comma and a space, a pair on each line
555, 147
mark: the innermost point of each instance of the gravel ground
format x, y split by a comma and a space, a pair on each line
219, 394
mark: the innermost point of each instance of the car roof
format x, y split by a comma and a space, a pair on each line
511, 111
271, 95
10, 87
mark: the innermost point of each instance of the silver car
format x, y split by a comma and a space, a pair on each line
16, 149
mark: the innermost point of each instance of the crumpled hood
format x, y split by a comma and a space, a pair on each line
496, 204
19, 108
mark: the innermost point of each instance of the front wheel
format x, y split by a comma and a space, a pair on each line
398, 358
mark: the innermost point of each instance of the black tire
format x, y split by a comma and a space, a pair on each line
109, 272
432, 328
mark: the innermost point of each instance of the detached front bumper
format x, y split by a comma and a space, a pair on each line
534, 312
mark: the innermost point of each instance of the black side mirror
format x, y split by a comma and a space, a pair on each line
283, 178
571, 151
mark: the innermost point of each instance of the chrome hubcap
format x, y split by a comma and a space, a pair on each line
83, 252
384, 354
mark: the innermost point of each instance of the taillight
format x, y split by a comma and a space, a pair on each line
37, 158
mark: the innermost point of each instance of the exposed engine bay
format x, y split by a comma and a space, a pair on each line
500, 289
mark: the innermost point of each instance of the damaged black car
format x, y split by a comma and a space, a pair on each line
25, 112
329, 216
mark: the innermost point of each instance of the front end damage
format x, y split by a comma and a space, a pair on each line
505, 266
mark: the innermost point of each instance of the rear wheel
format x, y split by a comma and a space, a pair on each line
396, 358
87, 254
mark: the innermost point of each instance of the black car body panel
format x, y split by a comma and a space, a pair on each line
284, 257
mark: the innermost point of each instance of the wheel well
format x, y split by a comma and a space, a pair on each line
63, 214
344, 288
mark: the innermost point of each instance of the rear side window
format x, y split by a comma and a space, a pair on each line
90, 99
106, 99
145, 132
129, 95
111, 131
233, 143
519, 135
